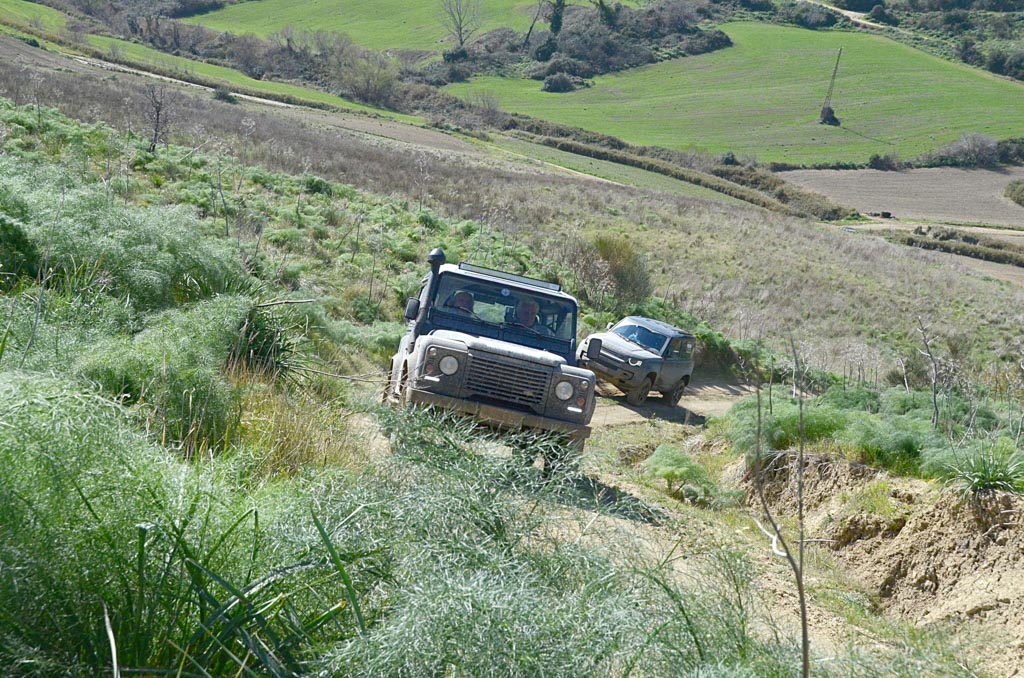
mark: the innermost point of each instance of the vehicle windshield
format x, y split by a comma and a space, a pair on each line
498, 305
638, 334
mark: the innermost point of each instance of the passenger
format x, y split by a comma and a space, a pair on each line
462, 303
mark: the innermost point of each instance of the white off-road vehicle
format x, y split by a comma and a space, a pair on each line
497, 346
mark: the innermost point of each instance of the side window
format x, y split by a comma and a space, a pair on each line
675, 348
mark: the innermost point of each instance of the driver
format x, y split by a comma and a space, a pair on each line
526, 316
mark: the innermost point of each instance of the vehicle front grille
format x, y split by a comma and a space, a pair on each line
512, 383
611, 359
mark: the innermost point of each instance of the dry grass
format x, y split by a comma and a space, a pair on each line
297, 431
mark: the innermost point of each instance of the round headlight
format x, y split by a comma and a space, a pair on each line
449, 365
563, 390
636, 362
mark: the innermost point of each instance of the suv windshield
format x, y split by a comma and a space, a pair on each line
638, 334
498, 305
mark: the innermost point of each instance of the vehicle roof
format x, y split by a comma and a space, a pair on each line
656, 325
521, 283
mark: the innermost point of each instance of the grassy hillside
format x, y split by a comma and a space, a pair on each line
762, 97
182, 487
33, 14
750, 273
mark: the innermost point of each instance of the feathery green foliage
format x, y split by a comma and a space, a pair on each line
891, 429
691, 480
191, 572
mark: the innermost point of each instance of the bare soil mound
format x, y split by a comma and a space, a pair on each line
928, 555
953, 561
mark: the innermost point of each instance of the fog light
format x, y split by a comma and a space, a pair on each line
449, 365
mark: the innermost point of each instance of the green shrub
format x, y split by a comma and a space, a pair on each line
316, 185
225, 95
172, 371
628, 269
895, 443
690, 479
19, 258
853, 398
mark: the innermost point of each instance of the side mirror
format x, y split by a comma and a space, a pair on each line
412, 309
609, 326
594, 348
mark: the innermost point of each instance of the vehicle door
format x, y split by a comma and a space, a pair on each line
675, 364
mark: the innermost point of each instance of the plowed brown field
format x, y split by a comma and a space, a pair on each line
938, 194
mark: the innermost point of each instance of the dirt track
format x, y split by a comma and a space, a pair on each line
706, 396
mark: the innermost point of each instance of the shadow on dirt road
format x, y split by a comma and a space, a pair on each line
590, 494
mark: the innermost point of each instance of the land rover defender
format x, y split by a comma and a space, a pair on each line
497, 346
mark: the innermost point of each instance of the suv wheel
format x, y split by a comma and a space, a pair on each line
672, 397
638, 396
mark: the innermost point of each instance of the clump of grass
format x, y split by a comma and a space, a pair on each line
291, 431
896, 443
19, 258
1015, 192
150, 257
781, 426
999, 468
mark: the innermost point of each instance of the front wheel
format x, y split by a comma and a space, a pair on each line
638, 396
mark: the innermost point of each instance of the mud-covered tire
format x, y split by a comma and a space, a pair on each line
387, 393
672, 397
638, 396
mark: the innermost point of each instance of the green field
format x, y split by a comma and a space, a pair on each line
32, 15
208, 72
762, 98
375, 24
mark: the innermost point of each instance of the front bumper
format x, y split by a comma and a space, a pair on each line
499, 417
621, 377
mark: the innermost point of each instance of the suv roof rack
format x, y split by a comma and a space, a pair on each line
472, 268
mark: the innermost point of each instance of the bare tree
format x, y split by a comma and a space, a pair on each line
462, 20
159, 113
926, 339
780, 545
541, 5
